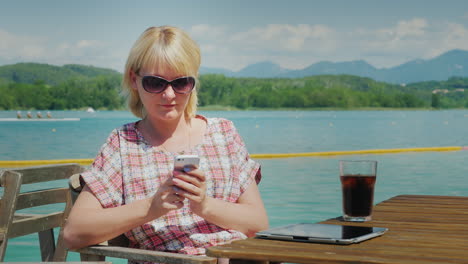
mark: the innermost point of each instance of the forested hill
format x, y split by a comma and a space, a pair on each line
50, 74
42, 86
49, 87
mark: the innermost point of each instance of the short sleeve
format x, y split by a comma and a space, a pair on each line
104, 177
249, 169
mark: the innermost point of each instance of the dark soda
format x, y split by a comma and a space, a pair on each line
358, 194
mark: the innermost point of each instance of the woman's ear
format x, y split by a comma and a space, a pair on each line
133, 80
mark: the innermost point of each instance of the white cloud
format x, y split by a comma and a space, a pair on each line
298, 46
81, 48
17, 46
223, 47
413, 28
393, 39
20, 48
87, 44
285, 37
289, 45
406, 40
451, 36
205, 30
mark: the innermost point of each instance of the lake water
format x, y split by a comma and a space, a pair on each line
293, 189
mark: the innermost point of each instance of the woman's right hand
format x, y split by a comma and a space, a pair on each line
167, 198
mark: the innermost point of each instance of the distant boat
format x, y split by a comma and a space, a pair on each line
90, 110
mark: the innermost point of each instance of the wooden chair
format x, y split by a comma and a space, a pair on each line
118, 247
14, 224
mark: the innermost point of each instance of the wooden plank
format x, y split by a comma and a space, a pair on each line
438, 204
375, 245
294, 251
47, 244
61, 251
433, 201
414, 197
454, 209
11, 181
42, 197
422, 229
324, 255
418, 218
49, 172
61, 262
146, 255
35, 224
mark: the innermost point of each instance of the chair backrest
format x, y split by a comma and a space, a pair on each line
19, 193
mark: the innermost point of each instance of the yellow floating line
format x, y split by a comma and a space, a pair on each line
23, 163
352, 152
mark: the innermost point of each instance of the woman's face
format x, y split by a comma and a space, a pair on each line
165, 106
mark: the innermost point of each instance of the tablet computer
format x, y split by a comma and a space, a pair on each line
322, 233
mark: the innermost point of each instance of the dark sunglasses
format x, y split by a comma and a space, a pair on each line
156, 84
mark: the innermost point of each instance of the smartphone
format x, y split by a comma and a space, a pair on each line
186, 162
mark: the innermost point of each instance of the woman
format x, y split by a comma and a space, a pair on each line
132, 188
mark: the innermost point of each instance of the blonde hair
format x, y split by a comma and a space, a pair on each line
163, 46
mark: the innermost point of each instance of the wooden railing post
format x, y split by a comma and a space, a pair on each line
47, 244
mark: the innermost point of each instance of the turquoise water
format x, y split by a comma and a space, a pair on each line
294, 189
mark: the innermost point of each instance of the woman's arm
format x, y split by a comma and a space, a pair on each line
89, 223
248, 215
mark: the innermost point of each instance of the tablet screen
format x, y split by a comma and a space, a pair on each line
322, 233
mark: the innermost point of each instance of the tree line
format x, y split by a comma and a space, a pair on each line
336, 91
102, 92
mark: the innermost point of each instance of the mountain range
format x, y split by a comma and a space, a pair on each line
450, 64
453, 63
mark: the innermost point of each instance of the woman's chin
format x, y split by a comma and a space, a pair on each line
167, 115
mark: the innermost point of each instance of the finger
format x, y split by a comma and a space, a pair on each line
197, 173
189, 180
176, 204
176, 189
189, 167
184, 181
186, 178
176, 198
186, 187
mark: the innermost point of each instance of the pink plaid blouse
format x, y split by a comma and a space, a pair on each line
127, 169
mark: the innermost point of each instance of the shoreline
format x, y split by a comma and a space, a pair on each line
232, 108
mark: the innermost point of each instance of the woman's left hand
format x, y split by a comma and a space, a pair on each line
193, 187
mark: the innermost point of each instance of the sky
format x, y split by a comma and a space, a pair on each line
235, 33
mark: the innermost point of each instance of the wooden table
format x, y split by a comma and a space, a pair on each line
422, 229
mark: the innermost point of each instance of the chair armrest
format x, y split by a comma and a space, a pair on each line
145, 255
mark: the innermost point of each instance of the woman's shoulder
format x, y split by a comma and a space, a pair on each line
127, 131
218, 123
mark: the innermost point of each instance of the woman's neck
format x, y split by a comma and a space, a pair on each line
166, 128
171, 135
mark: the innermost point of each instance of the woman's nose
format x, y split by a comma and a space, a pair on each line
169, 92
